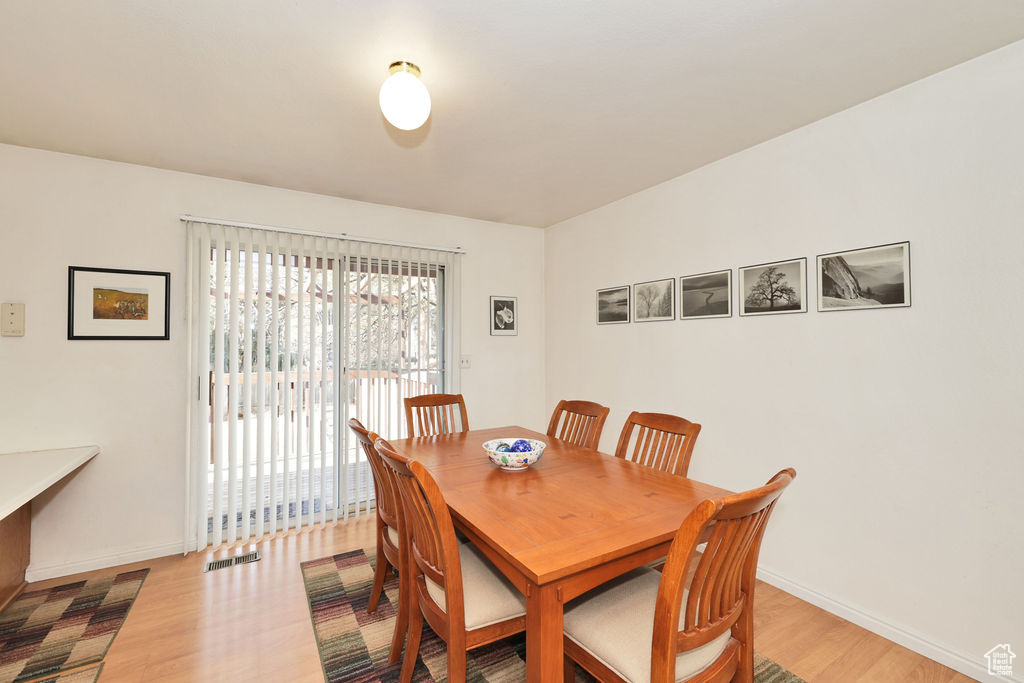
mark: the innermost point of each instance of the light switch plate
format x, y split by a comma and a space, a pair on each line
12, 320
465, 363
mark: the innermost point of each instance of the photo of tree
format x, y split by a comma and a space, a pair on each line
654, 300
772, 288
873, 277
613, 305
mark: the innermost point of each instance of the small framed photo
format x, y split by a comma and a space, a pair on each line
872, 277
654, 300
104, 303
613, 305
773, 288
504, 316
708, 295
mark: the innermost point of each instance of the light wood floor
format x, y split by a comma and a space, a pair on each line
251, 623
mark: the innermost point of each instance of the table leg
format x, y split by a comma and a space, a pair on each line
543, 634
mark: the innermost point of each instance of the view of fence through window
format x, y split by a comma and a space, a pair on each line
298, 344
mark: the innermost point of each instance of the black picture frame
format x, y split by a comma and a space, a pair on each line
504, 314
654, 293
865, 278
790, 268
710, 301
111, 303
612, 297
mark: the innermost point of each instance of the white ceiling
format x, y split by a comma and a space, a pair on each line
542, 109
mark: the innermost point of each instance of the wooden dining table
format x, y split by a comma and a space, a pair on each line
570, 522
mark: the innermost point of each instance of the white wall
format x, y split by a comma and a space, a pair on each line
128, 397
903, 424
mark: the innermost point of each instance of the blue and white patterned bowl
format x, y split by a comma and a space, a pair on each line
510, 460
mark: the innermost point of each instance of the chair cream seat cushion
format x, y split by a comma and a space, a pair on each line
488, 596
615, 623
393, 535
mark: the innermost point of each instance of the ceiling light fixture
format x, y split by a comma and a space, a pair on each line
404, 99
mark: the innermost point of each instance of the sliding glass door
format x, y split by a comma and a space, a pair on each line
291, 336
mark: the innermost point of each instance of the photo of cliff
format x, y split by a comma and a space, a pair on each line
876, 277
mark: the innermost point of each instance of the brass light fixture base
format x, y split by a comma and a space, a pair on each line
404, 66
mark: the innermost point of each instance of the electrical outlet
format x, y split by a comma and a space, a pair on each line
465, 363
12, 320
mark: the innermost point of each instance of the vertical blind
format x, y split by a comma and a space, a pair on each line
290, 336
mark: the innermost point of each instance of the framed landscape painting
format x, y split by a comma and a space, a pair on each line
872, 277
613, 305
708, 295
773, 288
654, 300
504, 316
104, 303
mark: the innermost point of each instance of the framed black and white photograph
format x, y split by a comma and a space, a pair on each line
773, 288
654, 300
707, 295
613, 305
872, 277
504, 316
104, 303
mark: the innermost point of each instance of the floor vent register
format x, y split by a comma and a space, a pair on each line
214, 565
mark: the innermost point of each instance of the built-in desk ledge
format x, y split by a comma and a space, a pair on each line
23, 476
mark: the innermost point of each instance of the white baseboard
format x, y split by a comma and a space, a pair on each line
972, 665
39, 572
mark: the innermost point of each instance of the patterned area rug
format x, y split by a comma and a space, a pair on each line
48, 631
767, 671
87, 675
354, 645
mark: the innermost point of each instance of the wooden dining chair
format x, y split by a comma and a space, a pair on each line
662, 627
431, 414
664, 442
389, 544
581, 422
463, 598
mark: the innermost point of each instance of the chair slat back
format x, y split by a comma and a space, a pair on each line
721, 586
664, 442
429, 528
433, 414
383, 484
581, 422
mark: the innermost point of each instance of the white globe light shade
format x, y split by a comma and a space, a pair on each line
404, 100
